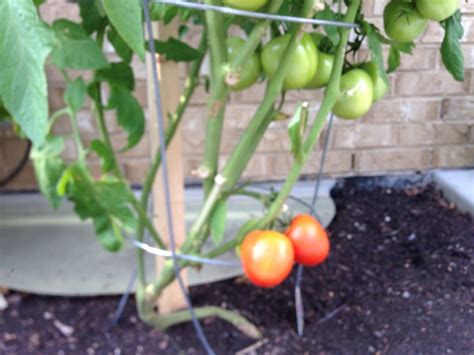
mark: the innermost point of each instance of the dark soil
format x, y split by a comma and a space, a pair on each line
400, 280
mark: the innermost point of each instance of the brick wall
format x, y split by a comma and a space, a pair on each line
425, 121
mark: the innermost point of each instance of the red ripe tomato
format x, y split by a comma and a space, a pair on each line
267, 257
310, 240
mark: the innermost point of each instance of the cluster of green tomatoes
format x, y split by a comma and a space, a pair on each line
310, 67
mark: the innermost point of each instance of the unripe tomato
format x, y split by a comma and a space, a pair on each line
380, 86
310, 240
249, 5
323, 73
402, 21
357, 92
250, 71
267, 257
437, 10
303, 61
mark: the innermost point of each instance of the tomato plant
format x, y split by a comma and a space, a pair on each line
402, 21
303, 61
437, 10
310, 240
357, 92
380, 86
291, 55
250, 71
267, 257
249, 5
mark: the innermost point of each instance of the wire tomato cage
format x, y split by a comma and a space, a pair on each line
172, 254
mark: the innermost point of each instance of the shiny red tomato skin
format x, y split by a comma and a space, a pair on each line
267, 258
310, 240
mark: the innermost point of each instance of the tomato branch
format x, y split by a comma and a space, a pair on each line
239, 158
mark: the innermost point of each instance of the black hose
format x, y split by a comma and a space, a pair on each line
14, 173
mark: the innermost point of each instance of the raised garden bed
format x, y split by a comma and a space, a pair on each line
398, 281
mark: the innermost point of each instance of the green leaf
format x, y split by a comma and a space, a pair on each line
175, 50
451, 52
104, 153
106, 202
108, 233
376, 49
331, 31
296, 128
25, 42
218, 222
120, 46
49, 167
118, 74
129, 114
92, 20
393, 59
75, 49
126, 17
75, 94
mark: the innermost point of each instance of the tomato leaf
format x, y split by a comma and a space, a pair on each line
175, 50
73, 48
129, 114
118, 74
25, 42
106, 202
126, 17
49, 167
331, 31
296, 128
218, 222
104, 152
120, 46
92, 20
376, 49
75, 94
451, 52
393, 59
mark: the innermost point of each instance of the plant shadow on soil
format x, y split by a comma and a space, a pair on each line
399, 280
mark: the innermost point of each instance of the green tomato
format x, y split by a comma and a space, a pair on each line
380, 86
357, 92
250, 71
248, 5
325, 64
303, 61
437, 10
402, 22
323, 73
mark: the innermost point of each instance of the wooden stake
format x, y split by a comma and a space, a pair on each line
171, 299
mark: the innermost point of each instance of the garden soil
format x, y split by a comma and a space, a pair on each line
399, 280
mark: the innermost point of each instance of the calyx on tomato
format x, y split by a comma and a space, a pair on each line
380, 86
437, 10
250, 70
402, 21
249, 5
303, 61
267, 257
357, 92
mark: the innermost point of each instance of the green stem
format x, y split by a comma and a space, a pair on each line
76, 133
165, 321
219, 95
